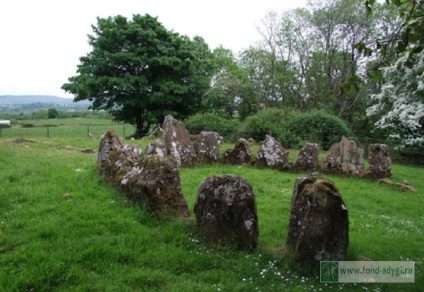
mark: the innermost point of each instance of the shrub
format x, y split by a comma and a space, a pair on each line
316, 126
27, 125
228, 128
267, 121
52, 113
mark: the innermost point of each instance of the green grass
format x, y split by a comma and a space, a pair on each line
64, 229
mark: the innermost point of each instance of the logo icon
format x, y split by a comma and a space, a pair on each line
329, 272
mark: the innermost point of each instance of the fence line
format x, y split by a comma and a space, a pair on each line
50, 131
410, 155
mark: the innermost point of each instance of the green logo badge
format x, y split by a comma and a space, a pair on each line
329, 272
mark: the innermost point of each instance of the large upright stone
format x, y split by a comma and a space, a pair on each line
177, 142
226, 211
207, 147
156, 147
271, 154
344, 158
156, 182
319, 223
115, 159
109, 141
239, 155
378, 162
308, 158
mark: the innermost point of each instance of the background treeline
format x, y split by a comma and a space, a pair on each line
318, 62
330, 69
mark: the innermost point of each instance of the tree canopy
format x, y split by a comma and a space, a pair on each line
399, 104
140, 72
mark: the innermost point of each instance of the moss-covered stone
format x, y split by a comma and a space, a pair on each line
154, 181
225, 211
319, 223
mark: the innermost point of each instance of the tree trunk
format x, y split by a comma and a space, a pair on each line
141, 129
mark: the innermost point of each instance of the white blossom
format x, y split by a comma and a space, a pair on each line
401, 102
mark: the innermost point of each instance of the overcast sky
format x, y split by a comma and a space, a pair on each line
41, 40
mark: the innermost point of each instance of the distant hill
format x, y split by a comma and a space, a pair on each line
28, 99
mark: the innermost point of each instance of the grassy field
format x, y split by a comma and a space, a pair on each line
62, 228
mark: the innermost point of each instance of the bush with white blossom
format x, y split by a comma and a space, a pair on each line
401, 102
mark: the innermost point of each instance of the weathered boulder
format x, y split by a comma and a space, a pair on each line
308, 158
378, 162
115, 159
177, 142
271, 154
155, 181
87, 150
109, 141
344, 158
207, 147
133, 152
156, 147
402, 187
239, 155
319, 223
225, 211
118, 163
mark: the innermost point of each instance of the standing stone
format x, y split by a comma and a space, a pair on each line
156, 147
109, 141
344, 158
177, 142
225, 211
114, 159
308, 158
319, 223
156, 182
271, 154
239, 155
378, 162
132, 151
207, 146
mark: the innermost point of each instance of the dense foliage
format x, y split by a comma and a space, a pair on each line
292, 129
399, 105
52, 113
211, 122
316, 126
360, 69
140, 72
269, 121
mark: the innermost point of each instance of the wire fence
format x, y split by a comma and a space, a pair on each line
65, 131
411, 155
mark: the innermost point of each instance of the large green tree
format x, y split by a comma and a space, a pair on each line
231, 90
307, 58
140, 72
